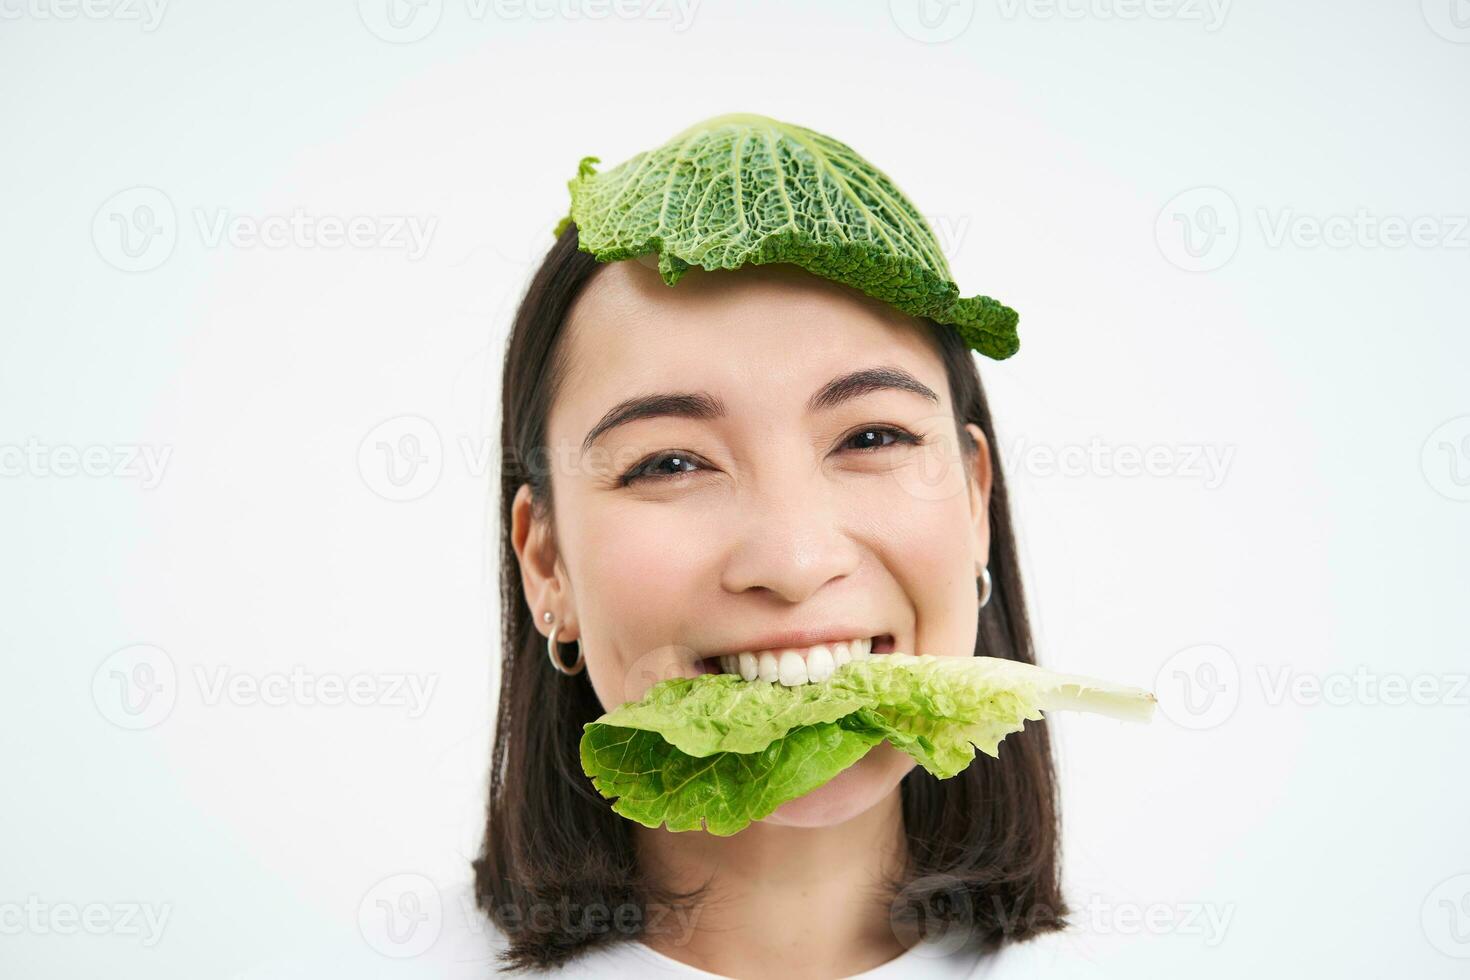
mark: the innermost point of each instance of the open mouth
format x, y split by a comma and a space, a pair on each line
797, 665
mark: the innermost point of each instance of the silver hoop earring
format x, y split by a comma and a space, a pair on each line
984, 587
555, 657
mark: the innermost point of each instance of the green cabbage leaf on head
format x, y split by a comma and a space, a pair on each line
747, 189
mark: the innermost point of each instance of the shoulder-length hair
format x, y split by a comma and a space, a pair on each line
557, 871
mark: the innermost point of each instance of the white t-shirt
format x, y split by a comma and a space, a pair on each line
1051, 957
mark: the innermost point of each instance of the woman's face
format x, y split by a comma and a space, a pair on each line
763, 502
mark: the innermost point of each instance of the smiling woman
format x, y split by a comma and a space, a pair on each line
762, 472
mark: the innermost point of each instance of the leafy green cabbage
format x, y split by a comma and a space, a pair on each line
716, 752
745, 188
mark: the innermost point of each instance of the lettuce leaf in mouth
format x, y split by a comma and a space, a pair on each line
746, 188
716, 752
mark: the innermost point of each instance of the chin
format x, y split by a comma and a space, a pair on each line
851, 792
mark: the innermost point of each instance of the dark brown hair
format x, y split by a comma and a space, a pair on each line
557, 872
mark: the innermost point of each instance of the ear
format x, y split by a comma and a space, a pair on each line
542, 574
980, 479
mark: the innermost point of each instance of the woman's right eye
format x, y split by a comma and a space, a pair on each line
647, 470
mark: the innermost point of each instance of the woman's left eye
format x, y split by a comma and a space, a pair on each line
899, 436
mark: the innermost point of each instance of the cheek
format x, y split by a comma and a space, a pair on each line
641, 563
640, 579
925, 542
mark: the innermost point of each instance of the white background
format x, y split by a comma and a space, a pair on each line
1253, 827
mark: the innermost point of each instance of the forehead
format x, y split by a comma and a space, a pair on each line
758, 336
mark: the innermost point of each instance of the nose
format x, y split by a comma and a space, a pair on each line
792, 539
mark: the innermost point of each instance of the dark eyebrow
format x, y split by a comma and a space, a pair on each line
703, 406
689, 405
847, 386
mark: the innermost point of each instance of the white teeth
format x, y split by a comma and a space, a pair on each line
819, 664
795, 665
792, 668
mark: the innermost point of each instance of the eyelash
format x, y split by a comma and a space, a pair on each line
901, 436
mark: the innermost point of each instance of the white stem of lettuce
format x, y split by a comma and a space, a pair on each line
1052, 691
